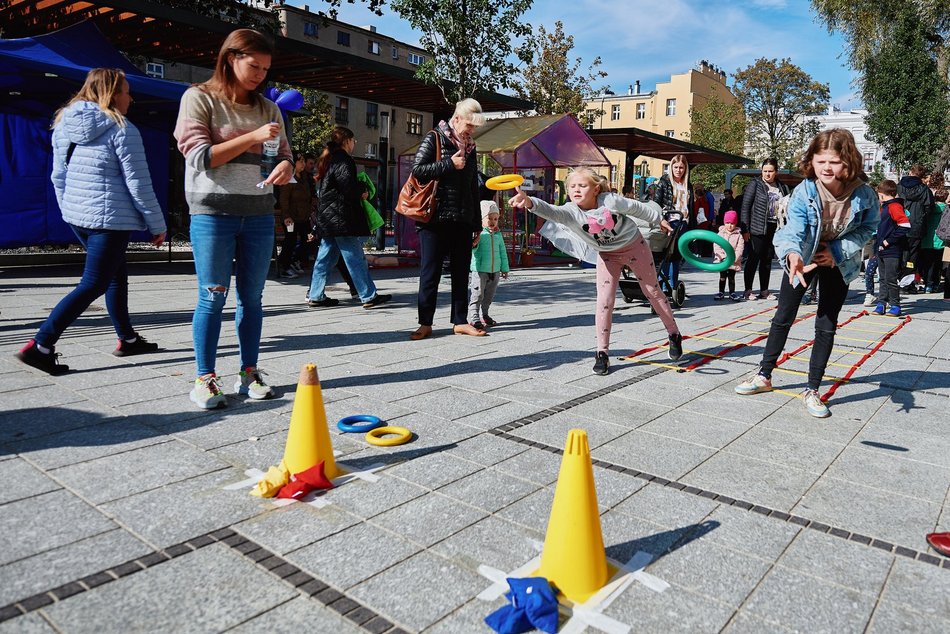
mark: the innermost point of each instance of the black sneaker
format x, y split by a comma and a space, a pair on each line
378, 300
31, 355
601, 363
139, 346
491, 323
478, 325
326, 302
676, 346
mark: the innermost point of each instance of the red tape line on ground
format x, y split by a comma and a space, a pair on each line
860, 362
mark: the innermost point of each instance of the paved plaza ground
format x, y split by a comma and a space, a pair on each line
125, 508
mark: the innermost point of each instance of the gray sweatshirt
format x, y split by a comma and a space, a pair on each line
608, 227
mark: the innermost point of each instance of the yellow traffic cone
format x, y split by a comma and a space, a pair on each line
574, 559
308, 441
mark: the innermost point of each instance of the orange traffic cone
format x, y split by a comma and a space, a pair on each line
574, 559
308, 441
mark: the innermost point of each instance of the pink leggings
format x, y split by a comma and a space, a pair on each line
609, 265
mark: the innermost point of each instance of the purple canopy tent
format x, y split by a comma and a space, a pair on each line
524, 143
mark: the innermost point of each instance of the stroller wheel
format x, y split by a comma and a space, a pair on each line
679, 294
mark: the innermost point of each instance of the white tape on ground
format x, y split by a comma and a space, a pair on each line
253, 477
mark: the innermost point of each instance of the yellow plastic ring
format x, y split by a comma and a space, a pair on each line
504, 181
375, 436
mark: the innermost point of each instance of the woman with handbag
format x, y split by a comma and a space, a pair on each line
456, 220
759, 201
341, 223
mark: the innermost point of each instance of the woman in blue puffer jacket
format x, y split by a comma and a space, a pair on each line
105, 192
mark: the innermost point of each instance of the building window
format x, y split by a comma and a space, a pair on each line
310, 29
373, 47
414, 123
613, 174
372, 115
395, 53
342, 110
615, 112
670, 133
671, 107
342, 38
415, 60
641, 111
154, 69
371, 150
589, 119
868, 161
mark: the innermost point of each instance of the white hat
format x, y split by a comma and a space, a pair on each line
489, 207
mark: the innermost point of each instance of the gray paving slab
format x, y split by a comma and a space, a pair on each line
493, 542
535, 465
32, 623
845, 564
772, 485
332, 559
897, 519
368, 499
781, 448
429, 589
667, 506
30, 422
231, 590
429, 519
553, 430
489, 490
289, 528
434, 470
22, 480
919, 587
62, 564
670, 611
655, 455
880, 468
705, 430
532, 511
538, 392
451, 403
803, 602
487, 449
119, 475
48, 520
468, 618
88, 443
297, 615
889, 617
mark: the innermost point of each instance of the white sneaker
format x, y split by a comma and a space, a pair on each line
252, 384
206, 393
813, 404
755, 384
870, 300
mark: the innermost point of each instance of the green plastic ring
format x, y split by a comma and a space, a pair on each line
702, 234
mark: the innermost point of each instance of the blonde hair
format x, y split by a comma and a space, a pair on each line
469, 110
101, 87
680, 158
593, 177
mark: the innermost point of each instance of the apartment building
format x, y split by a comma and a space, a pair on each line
664, 110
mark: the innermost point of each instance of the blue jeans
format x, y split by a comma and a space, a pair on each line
351, 248
104, 273
218, 242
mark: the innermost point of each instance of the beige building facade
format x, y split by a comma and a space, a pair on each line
664, 110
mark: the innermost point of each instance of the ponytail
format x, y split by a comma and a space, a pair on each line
339, 136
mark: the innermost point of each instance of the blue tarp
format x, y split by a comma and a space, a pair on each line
37, 76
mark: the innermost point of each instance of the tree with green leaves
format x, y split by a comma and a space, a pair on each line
718, 125
906, 98
475, 46
908, 41
779, 99
554, 82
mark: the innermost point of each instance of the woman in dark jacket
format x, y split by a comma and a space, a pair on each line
759, 199
674, 195
457, 219
341, 223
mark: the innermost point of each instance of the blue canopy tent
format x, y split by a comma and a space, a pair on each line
37, 76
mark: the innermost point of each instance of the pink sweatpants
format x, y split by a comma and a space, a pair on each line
609, 264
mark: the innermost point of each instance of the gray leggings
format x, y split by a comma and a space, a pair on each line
481, 287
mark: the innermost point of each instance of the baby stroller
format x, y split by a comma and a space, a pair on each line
664, 250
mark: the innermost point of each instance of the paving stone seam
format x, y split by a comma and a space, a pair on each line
307, 584
503, 431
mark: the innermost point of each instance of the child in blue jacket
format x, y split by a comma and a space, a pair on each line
489, 265
889, 246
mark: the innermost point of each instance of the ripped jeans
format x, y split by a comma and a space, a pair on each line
218, 243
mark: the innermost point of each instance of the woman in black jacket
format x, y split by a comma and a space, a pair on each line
341, 223
456, 221
758, 217
674, 195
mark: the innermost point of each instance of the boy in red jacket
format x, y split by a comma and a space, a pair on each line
891, 242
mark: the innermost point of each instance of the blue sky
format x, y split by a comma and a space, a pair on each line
649, 41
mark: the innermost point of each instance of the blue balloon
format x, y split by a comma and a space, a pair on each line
271, 93
290, 100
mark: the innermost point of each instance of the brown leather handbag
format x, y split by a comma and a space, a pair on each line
417, 201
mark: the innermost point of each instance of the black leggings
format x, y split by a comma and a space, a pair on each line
830, 301
760, 259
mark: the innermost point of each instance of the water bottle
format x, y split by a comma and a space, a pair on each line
269, 156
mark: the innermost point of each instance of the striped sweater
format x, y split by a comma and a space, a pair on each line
205, 120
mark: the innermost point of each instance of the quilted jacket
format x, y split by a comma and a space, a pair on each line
458, 192
755, 205
340, 210
106, 184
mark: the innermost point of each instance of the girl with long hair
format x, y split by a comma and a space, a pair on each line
104, 192
222, 124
